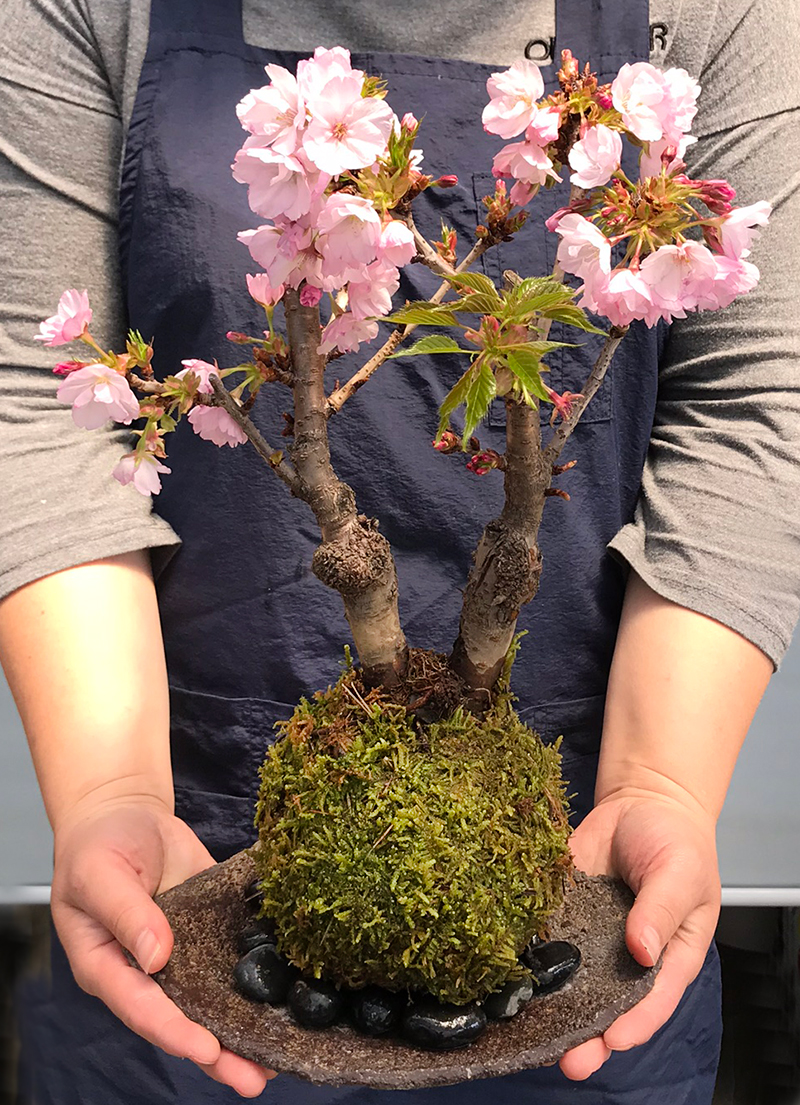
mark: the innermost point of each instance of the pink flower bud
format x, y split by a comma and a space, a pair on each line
310, 296
409, 121
65, 367
237, 337
603, 97
447, 181
448, 442
484, 462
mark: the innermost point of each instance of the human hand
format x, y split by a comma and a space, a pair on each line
110, 859
666, 853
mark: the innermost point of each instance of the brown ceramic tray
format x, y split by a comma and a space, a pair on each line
208, 911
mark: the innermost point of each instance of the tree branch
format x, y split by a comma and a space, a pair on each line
552, 450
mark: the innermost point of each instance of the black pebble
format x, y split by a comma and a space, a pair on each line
376, 1011
442, 1027
315, 1003
506, 1003
264, 975
259, 932
252, 894
551, 964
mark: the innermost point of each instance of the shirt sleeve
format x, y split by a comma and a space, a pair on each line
717, 525
60, 145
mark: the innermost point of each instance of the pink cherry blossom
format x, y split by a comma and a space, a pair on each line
142, 471
280, 184
69, 321
262, 291
583, 250
595, 157
216, 425
346, 333
310, 296
396, 245
525, 162
739, 228
276, 112
638, 92
513, 94
733, 278
314, 73
680, 104
211, 423
270, 248
98, 395
679, 276
350, 232
664, 152
373, 297
622, 297
347, 130
544, 128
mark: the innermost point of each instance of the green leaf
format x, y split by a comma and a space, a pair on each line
481, 392
424, 314
480, 303
542, 348
532, 285
453, 400
476, 281
572, 316
433, 343
527, 368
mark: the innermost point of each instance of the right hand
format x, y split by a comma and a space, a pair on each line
110, 859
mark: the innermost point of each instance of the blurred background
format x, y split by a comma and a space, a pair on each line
758, 934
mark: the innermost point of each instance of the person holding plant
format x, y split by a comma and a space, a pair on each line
684, 658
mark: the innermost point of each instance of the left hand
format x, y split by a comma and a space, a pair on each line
666, 853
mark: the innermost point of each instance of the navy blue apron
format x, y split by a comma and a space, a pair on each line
247, 627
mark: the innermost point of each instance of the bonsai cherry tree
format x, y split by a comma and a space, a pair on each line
394, 777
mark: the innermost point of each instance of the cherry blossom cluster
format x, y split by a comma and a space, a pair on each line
675, 258
582, 124
99, 391
325, 162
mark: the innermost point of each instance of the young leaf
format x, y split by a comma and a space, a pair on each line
476, 281
454, 398
532, 285
480, 303
482, 391
527, 367
573, 316
424, 314
433, 343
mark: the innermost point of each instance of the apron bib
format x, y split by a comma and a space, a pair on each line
247, 627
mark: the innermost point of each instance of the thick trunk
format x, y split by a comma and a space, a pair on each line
354, 558
508, 563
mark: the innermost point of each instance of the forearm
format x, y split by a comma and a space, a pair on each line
84, 658
682, 692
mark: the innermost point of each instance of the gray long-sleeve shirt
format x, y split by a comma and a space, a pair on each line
717, 527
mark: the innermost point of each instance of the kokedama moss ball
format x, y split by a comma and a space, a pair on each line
411, 856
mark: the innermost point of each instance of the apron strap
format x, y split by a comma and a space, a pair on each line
217, 18
595, 29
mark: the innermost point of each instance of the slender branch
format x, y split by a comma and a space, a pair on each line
274, 457
338, 398
552, 450
425, 251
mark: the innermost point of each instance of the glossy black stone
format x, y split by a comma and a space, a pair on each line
376, 1011
506, 1003
315, 1003
263, 974
551, 964
259, 932
442, 1027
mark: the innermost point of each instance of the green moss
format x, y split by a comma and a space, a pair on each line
415, 857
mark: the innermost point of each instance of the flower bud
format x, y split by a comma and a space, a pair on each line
409, 121
310, 296
446, 181
237, 337
65, 367
448, 442
484, 462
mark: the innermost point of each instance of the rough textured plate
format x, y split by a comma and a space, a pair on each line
208, 911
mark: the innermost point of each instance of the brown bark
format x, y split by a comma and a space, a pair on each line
508, 563
354, 558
